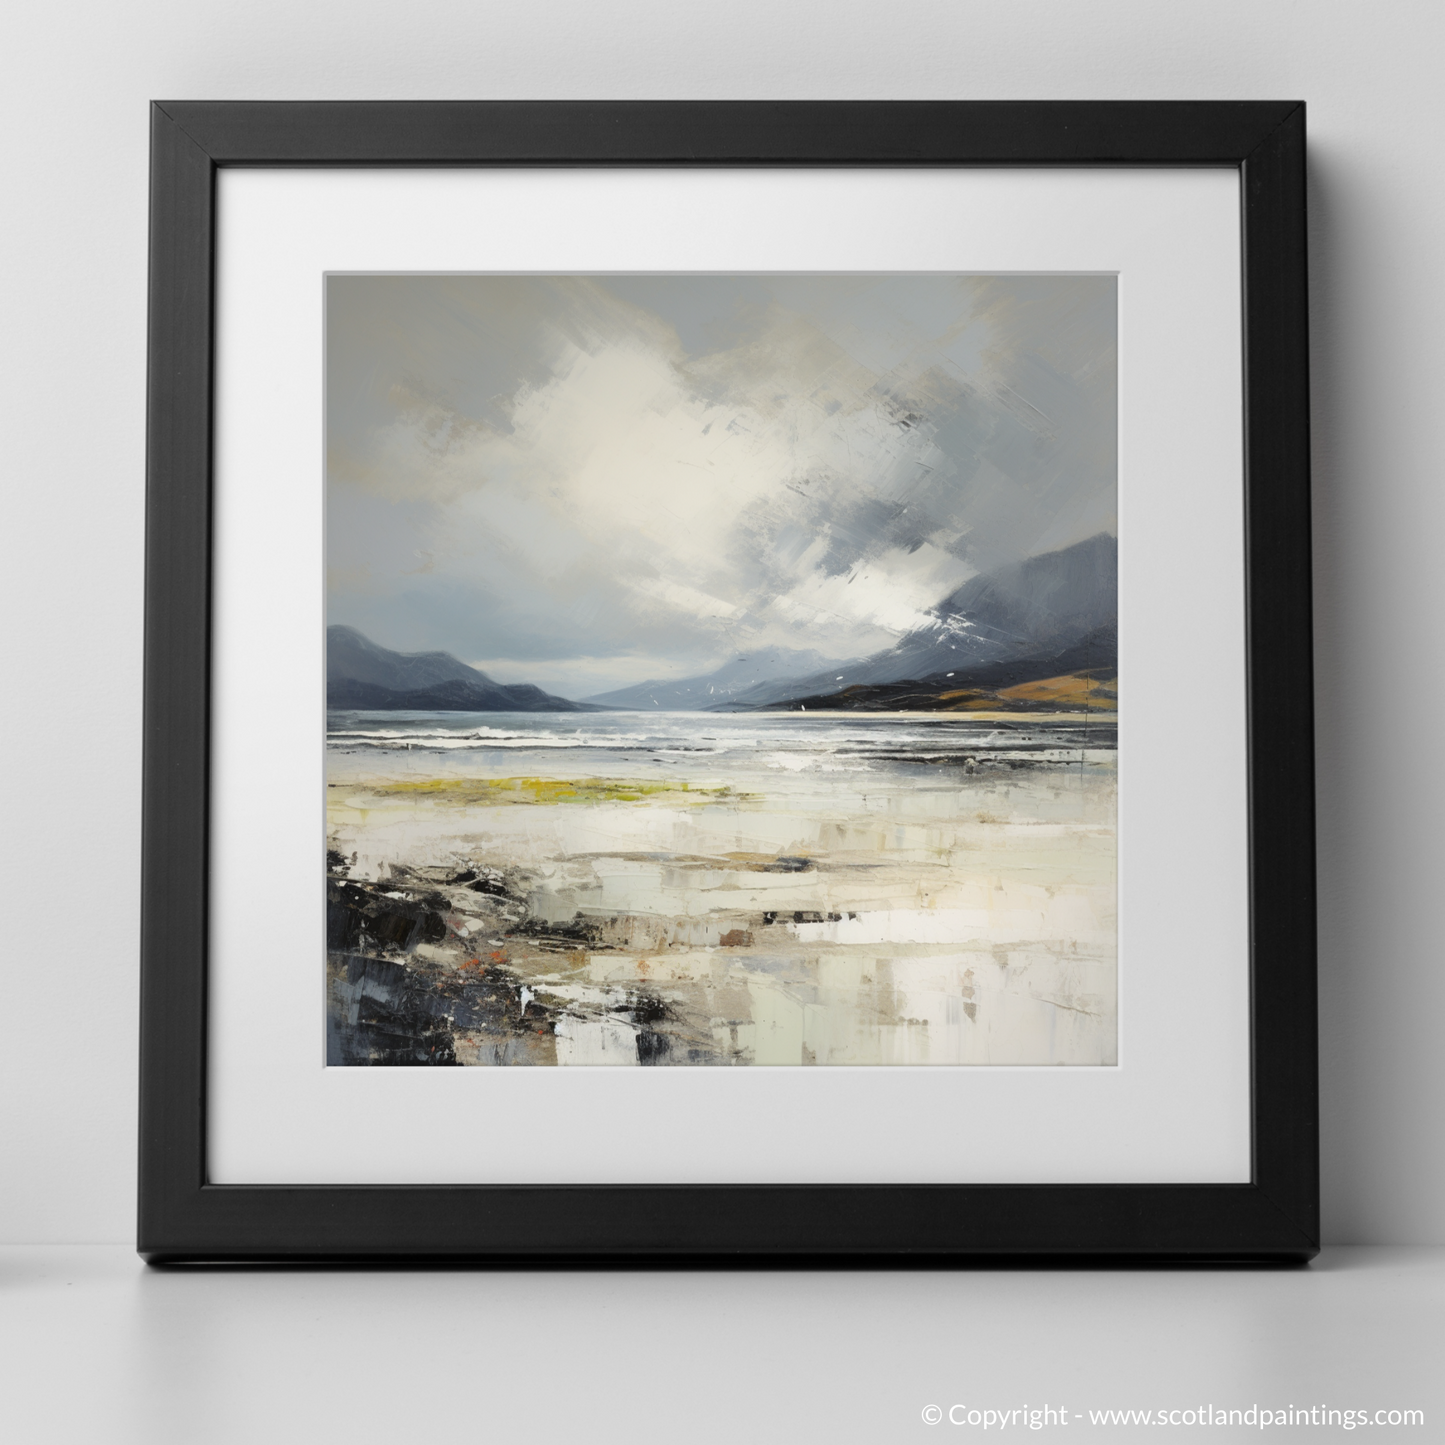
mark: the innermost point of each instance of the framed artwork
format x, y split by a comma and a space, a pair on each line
728, 681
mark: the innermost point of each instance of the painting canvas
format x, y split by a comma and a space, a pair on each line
721, 670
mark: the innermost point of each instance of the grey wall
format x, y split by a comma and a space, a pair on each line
75, 76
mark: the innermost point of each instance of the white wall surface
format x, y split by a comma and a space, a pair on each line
75, 79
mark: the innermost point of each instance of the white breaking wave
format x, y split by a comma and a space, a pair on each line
779, 741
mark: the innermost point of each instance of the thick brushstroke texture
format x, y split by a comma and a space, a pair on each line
733, 679
736, 889
722, 670
1049, 615
586, 483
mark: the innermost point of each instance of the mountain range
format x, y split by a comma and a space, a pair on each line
1045, 617
1037, 634
1083, 677
362, 675
740, 675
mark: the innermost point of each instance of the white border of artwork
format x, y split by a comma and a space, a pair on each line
1176, 1107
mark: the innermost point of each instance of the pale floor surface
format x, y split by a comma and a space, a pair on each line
96, 1348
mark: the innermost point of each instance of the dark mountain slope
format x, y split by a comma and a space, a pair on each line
361, 674
1029, 610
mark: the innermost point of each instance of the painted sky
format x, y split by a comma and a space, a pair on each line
587, 481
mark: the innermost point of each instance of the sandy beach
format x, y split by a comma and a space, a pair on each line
892, 894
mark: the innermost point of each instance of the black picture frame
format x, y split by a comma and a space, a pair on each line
183, 1217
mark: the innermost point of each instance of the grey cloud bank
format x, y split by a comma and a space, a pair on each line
587, 482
